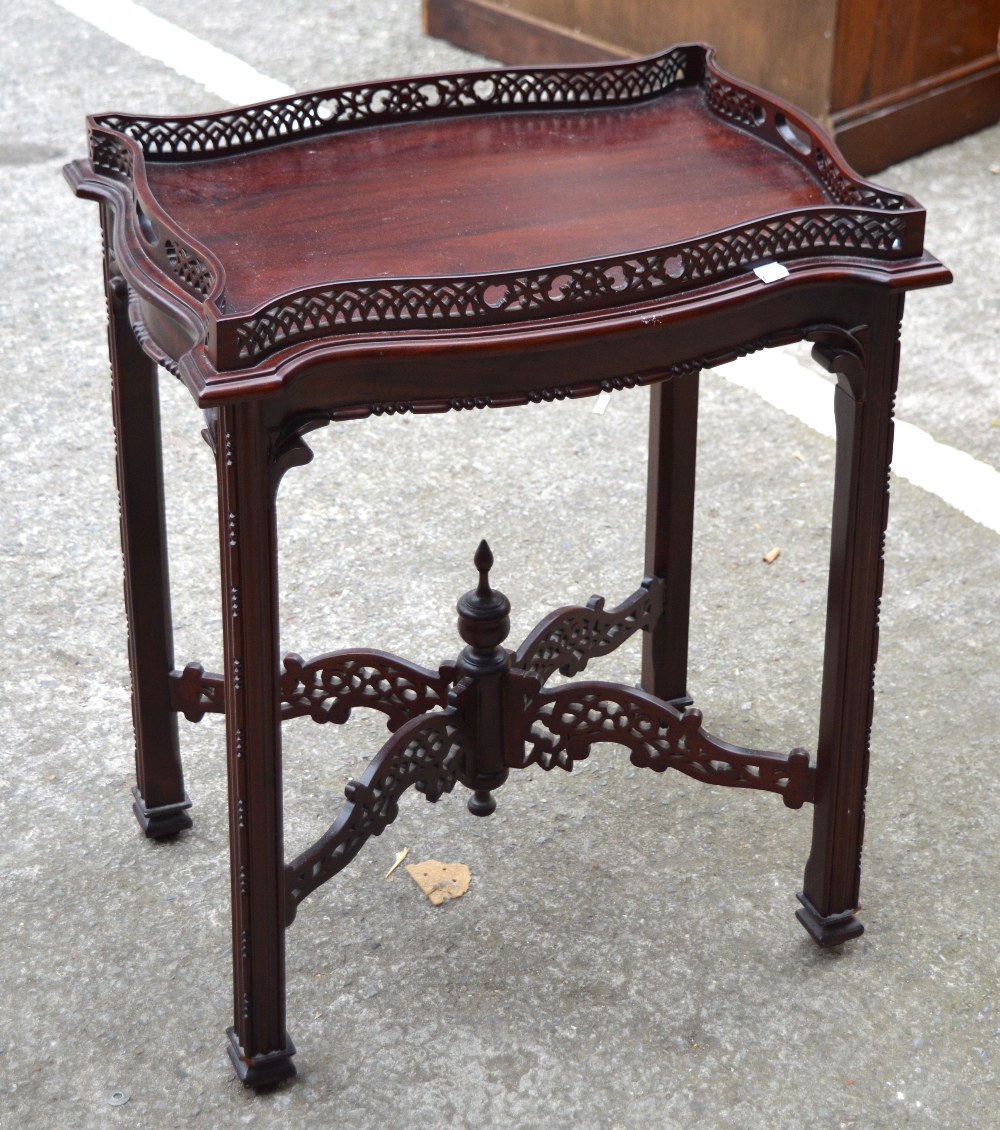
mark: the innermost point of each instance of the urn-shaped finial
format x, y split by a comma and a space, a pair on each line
483, 613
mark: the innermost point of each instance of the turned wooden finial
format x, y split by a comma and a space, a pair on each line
484, 615
483, 561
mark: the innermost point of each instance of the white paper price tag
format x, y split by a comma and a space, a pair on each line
771, 272
602, 402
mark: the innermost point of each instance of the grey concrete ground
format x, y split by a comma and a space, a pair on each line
626, 955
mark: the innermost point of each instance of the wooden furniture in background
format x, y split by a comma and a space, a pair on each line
887, 78
474, 241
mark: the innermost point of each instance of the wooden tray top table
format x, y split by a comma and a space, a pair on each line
484, 240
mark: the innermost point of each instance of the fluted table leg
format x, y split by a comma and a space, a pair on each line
259, 1045
673, 434
160, 801
866, 364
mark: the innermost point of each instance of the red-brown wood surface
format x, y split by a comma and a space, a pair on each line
469, 200
474, 195
885, 46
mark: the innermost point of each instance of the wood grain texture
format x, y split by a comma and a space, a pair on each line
510, 195
936, 111
884, 46
466, 196
523, 39
745, 35
889, 78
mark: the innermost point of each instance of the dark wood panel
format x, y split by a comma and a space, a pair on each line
744, 35
510, 37
929, 114
889, 45
888, 78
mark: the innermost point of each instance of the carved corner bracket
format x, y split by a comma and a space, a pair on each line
843, 353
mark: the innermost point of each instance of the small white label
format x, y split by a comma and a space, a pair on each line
602, 402
771, 272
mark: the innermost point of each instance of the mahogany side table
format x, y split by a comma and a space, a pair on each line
484, 240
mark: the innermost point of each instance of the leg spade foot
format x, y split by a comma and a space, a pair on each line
166, 820
830, 930
261, 1071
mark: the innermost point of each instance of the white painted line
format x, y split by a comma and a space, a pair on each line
158, 39
779, 379
971, 486
966, 483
